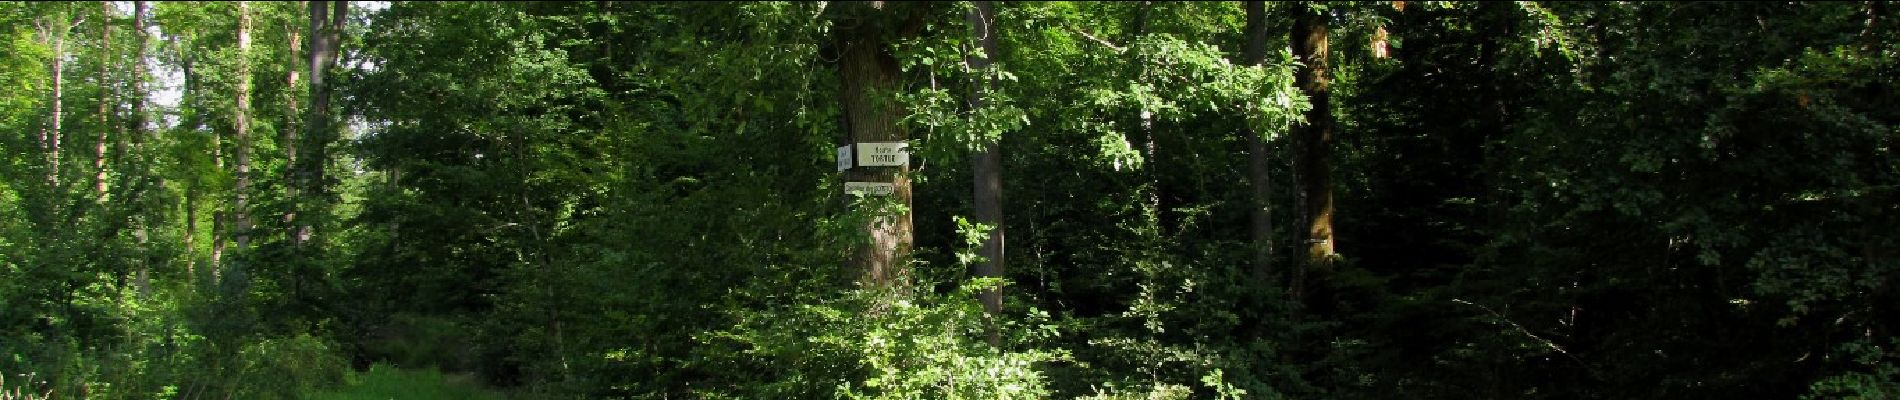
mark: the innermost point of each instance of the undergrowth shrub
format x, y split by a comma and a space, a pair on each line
884, 345
383, 381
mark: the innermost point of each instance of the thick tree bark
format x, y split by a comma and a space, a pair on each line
987, 164
1315, 142
868, 75
241, 122
1259, 160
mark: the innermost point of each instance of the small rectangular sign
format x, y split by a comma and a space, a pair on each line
891, 154
870, 188
844, 158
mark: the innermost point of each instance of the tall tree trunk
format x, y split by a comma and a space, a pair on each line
106, 100
868, 74
52, 139
326, 34
1144, 136
107, 107
139, 41
43, 30
219, 231
240, 209
1315, 143
287, 137
317, 118
191, 233
193, 121
1259, 160
137, 134
217, 135
987, 164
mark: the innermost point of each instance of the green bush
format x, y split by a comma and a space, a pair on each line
383, 381
283, 368
1879, 377
883, 345
417, 341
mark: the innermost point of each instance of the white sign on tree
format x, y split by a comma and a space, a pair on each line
870, 188
883, 154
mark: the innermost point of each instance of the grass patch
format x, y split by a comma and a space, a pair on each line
384, 382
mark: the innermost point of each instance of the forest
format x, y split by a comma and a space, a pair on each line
949, 200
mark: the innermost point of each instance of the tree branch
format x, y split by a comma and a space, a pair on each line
1103, 42
1527, 332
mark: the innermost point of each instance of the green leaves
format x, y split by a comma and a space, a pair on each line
636, 200
904, 347
973, 236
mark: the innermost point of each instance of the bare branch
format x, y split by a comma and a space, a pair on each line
1527, 332
1104, 43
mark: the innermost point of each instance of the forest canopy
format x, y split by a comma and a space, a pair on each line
949, 200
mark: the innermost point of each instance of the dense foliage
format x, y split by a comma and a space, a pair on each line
638, 200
